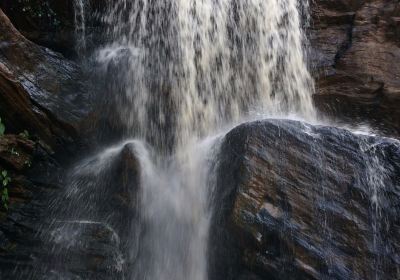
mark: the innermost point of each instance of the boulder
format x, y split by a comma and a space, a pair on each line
356, 58
296, 201
40, 90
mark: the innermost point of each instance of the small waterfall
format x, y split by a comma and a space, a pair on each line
178, 71
176, 217
377, 179
183, 70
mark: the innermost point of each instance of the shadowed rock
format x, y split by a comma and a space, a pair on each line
356, 56
47, 90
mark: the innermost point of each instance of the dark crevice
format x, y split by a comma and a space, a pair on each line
346, 44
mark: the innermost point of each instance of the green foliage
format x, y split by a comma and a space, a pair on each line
2, 128
5, 178
14, 152
39, 10
28, 163
5, 198
25, 134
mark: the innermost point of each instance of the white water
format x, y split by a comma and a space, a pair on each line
80, 12
187, 68
194, 65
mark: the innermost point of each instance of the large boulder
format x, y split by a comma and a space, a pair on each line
296, 201
356, 58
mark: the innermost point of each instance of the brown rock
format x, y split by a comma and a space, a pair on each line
40, 91
357, 55
298, 202
16, 151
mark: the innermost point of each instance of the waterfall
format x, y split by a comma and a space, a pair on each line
192, 66
178, 72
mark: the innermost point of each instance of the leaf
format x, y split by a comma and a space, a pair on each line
2, 129
5, 182
6, 193
4, 173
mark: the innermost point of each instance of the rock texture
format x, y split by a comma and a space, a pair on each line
58, 25
356, 57
33, 173
301, 202
48, 23
40, 90
95, 239
41, 95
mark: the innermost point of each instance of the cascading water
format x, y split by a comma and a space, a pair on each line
195, 65
184, 69
188, 68
80, 7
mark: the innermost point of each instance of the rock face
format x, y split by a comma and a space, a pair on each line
40, 90
40, 93
58, 25
25, 161
95, 239
301, 202
356, 57
48, 23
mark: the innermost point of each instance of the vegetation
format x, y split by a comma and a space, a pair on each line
25, 134
2, 128
5, 178
39, 10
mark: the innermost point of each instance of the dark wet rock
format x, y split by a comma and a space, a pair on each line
296, 201
48, 23
94, 239
28, 198
40, 90
356, 56
20, 114
16, 151
57, 24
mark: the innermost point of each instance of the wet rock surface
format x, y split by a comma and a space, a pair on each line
46, 84
356, 57
57, 25
42, 102
34, 177
296, 201
93, 240
47, 23
293, 201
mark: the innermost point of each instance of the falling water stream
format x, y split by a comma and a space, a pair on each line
179, 72
184, 69
80, 9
